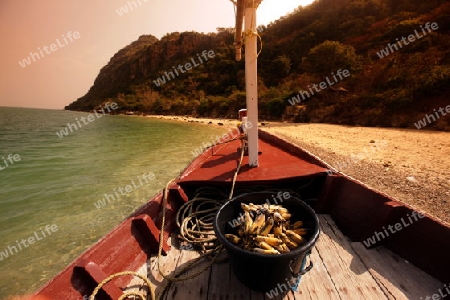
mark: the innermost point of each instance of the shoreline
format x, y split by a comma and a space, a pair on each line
409, 165
262, 123
226, 123
412, 166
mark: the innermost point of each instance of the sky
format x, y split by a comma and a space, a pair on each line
73, 40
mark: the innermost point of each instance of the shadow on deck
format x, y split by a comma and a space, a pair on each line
342, 270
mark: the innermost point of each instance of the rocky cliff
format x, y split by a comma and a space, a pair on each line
394, 80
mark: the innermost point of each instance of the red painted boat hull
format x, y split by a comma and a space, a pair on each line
358, 210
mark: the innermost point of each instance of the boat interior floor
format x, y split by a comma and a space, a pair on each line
349, 213
342, 270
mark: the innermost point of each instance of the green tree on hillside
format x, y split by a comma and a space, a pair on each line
276, 70
282, 65
330, 56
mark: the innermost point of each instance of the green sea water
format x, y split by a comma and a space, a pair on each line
57, 181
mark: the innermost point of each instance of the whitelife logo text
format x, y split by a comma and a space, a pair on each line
231, 134
35, 56
130, 6
322, 85
431, 118
391, 48
86, 120
378, 236
187, 66
37, 236
147, 177
11, 158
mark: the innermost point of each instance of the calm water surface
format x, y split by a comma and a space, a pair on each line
58, 180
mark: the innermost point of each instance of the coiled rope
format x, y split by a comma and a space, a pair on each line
128, 294
192, 218
195, 220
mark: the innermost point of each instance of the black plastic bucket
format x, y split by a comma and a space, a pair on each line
264, 272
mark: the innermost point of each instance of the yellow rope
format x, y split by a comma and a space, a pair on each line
253, 33
249, 32
196, 222
191, 235
202, 226
101, 284
175, 277
237, 169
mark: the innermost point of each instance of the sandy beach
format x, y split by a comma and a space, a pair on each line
227, 123
412, 166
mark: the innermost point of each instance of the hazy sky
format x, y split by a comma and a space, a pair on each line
67, 67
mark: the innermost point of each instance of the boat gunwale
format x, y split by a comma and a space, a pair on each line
195, 163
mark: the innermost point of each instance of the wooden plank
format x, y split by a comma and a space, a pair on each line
137, 285
150, 270
317, 283
224, 284
349, 275
286, 295
168, 263
399, 278
342, 270
194, 288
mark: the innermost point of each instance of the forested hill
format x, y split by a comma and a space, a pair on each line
395, 53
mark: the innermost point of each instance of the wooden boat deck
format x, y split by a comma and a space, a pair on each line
342, 270
343, 267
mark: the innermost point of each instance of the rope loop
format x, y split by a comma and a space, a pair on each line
126, 295
195, 219
250, 33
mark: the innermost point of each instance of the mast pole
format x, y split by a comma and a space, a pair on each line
251, 80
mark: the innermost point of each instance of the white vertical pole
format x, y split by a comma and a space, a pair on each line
251, 83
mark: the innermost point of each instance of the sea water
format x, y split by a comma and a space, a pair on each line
52, 186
